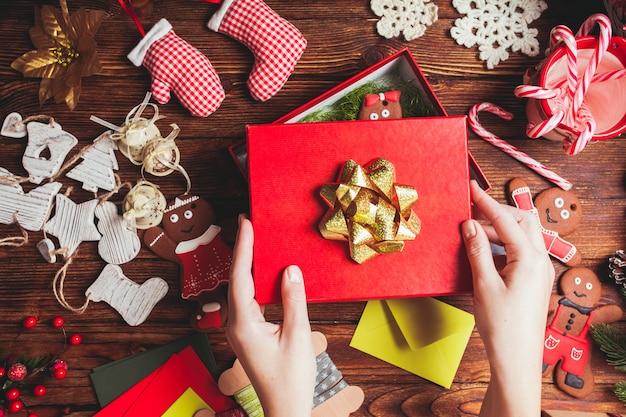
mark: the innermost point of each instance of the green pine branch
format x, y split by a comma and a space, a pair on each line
613, 343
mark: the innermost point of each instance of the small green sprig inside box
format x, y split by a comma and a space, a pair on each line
348, 106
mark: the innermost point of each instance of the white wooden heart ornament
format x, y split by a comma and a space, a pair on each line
12, 128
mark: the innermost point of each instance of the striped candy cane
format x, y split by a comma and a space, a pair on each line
603, 44
506, 147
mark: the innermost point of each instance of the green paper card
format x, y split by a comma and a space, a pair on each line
113, 379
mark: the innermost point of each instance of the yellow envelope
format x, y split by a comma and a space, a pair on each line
424, 336
186, 405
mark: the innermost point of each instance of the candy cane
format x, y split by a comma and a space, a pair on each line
506, 147
603, 44
585, 118
564, 34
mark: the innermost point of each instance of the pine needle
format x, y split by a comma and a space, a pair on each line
613, 343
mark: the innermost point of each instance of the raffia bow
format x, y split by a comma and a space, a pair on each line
370, 210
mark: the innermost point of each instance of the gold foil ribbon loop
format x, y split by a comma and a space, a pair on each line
371, 211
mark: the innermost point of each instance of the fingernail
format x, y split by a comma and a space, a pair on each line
469, 229
294, 274
240, 218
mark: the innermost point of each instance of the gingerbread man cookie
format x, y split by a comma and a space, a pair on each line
333, 397
190, 238
559, 212
567, 347
381, 106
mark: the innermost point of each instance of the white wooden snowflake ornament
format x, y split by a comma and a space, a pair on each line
32, 208
495, 26
73, 223
409, 17
99, 162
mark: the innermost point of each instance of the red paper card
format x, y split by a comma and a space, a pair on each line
288, 164
154, 394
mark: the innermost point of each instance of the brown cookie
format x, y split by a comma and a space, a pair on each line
559, 210
381, 106
567, 348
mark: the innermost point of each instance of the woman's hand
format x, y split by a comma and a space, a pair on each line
278, 359
510, 303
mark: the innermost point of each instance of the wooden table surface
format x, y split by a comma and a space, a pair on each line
342, 40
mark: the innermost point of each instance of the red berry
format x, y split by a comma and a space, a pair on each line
39, 390
30, 322
3, 412
76, 339
58, 322
16, 406
60, 373
17, 371
2, 373
12, 394
31, 415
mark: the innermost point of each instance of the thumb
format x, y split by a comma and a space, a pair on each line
161, 91
479, 253
296, 316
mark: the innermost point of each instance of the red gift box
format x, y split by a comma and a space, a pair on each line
400, 64
289, 163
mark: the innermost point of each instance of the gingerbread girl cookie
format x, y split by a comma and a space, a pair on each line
190, 238
566, 346
559, 213
381, 106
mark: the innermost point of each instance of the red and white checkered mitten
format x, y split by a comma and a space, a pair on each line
177, 66
275, 43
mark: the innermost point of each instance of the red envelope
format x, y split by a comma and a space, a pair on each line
288, 164
154, 394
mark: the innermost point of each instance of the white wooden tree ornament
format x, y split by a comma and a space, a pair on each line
73, 223
12, 128
32, 208
134, 302
96, 170
118, 244
46, 150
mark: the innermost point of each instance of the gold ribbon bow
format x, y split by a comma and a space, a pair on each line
370, 210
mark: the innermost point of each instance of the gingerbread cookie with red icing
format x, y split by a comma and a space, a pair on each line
567, 349
559, 212
190, 238
381, 106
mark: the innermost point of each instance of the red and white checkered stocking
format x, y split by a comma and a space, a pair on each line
275, 43
177, 66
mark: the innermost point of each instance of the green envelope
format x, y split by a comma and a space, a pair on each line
424, 336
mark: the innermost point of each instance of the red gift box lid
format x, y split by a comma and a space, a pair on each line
288, 164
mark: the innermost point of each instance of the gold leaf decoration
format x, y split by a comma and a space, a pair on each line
66, 52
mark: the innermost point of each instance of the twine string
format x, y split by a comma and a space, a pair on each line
58, 284
15, 241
